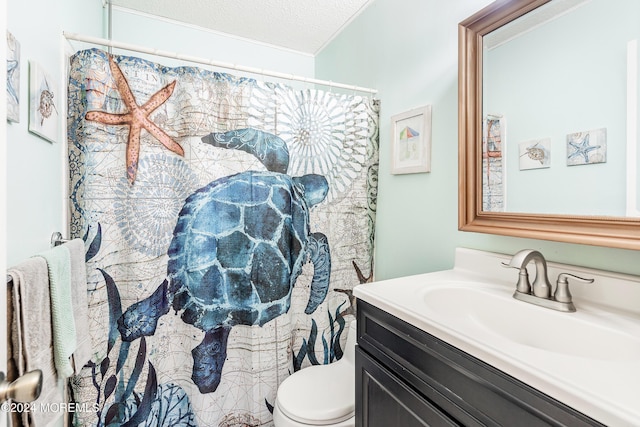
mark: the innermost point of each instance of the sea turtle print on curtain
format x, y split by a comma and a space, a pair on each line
226, 222
237, 250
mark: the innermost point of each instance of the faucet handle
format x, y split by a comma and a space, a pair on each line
562, 293
523, 285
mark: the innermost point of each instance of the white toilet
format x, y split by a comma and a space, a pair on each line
320, 395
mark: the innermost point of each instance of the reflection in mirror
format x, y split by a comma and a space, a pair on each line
548, 118
554, 102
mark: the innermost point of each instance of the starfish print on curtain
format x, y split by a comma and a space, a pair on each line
136, 117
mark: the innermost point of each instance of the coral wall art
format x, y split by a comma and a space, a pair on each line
588, 147
44, 115
13, 78
535, 154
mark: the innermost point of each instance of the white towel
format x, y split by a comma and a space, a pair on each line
31, 335
62, 319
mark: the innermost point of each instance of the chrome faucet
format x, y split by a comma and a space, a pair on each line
540, 292
541, 286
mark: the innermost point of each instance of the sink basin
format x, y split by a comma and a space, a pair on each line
486, 310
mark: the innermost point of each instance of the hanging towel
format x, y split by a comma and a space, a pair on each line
64, 327
32, 337
82, 353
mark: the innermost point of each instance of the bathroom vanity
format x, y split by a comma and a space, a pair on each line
406, 377
455, 348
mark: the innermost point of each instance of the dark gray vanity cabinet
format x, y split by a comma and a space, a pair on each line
406, 377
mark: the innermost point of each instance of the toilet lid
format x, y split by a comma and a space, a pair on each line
319, 395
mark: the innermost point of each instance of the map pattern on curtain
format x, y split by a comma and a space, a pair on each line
226, 222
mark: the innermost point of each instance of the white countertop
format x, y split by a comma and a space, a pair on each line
604, 388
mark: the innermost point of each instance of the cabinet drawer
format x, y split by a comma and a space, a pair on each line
469, 390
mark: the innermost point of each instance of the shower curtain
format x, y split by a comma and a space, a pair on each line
226, 222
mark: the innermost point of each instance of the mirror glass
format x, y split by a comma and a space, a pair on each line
560, 111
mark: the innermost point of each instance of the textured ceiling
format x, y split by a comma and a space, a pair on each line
302, 25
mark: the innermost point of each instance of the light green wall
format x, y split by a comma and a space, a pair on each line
408, 51
35, 186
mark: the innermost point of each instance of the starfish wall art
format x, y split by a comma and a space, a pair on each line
585, 148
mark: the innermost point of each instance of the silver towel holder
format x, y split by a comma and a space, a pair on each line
57, 239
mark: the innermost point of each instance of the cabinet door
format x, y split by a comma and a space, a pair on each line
382, 400
466, 389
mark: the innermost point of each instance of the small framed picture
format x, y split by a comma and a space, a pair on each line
13, 78
44, 115
411, 141
535, 154
587, 147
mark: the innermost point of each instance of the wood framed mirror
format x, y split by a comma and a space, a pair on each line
610, 230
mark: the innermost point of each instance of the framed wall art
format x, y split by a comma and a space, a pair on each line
535, 154
587, 148
411, 141
44, 118
494, 178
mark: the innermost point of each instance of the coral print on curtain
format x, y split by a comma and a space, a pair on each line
227, 222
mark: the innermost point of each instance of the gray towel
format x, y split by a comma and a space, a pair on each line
31, 335
32, 331
83, 351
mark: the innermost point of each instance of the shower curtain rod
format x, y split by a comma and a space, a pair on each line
228, 65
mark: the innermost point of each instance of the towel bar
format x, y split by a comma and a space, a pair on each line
57, 239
